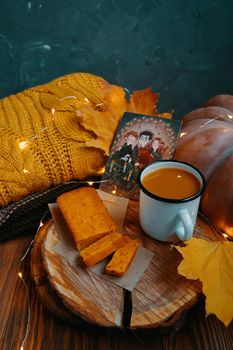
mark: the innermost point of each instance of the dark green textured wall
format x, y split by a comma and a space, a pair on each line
184, 49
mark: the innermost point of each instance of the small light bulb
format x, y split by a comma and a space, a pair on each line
23, 144
53, 110
113, 191
101, 171
20, 275
90, 183
228, 232
25, 171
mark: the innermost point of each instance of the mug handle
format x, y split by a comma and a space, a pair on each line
184, 226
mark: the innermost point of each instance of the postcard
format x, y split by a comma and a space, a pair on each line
139, 140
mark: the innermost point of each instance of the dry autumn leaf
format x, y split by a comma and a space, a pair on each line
212, 264
103, 122
143, 101
67, 130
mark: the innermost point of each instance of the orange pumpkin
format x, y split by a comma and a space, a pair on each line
206, 141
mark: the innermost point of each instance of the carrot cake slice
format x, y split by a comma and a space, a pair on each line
86, 216
102, 248
122, 258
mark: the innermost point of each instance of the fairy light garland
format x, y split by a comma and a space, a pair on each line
20, 273
214, 228
23, 144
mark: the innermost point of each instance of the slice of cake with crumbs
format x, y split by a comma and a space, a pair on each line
122, 258
86, 216
102, 248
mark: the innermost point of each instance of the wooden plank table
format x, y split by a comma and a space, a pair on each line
46, 332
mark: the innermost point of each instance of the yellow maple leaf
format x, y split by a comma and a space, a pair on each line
212, 264
103, 123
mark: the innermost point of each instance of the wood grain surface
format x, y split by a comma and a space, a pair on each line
86, 294
47, 332
158, 300
43, 288
161, 295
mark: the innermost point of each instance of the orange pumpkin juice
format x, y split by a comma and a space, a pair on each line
171, 183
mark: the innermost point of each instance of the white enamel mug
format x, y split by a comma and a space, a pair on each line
167, 219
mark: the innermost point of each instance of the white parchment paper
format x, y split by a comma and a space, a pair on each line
65, 247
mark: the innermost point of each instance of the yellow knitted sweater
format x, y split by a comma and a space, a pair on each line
60, 131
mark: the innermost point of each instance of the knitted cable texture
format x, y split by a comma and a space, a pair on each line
60, 131
53, 133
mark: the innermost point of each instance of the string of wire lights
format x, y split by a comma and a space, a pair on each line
20, 273
23, 144
26, 253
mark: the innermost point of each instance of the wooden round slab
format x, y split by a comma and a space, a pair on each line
97, 301
162, 295
43, 287
158, 299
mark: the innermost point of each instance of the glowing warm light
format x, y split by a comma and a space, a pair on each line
229, 231
86, 100
101, 171
90, 183
20, 275
25, 171
21, 348
182, 134
41, 224
113, 191
225, 235
53, 110
23, 144
230, 116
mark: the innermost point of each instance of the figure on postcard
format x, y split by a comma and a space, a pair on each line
157, 148
122, 161
139, 140
144, 149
